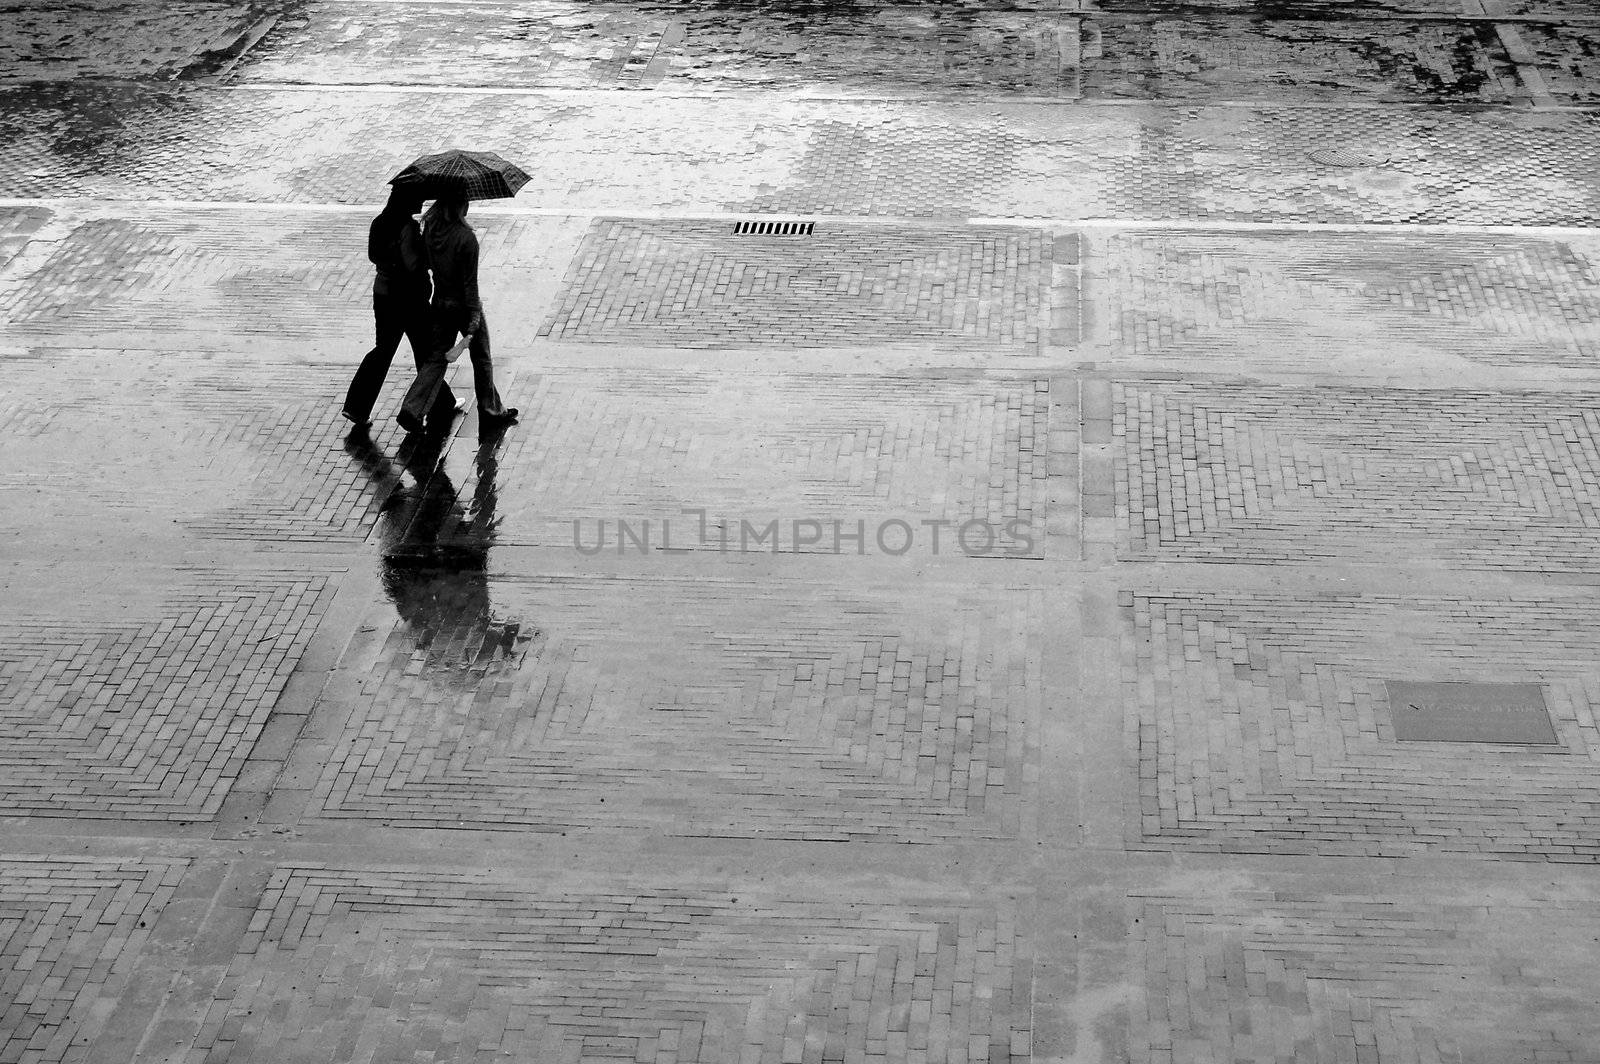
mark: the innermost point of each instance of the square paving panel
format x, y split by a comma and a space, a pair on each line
381, 961
150, 719
850, 454
696, 284
774, 709
1469, 712
1259, 474
1260, 723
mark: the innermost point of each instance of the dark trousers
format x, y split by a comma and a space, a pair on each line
449, 321
394, 316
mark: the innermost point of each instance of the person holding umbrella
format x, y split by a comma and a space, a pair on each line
455, 178
400, 293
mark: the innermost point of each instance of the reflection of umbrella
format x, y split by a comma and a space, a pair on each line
475, 174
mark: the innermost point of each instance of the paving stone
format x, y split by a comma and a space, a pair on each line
748, 450
70, 931
149, 719
804, 157
380, 963
1260, 474
1261, 724
1197, 56
874, 49
229, 447
765, 710
1330, 975
1567, 58
68, 39
697, 284
1301, 301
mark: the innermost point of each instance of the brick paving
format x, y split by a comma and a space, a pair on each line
1312, 974
1246, 473
70, 932
559, 704
695, 285
324, 746
845, 453
1261, 724
468, 968
150, 720
1181, 297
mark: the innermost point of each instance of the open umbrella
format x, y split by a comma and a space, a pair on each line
475, 174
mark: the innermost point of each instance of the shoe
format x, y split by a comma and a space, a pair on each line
358, 422
409, 421
461, 406
508, 416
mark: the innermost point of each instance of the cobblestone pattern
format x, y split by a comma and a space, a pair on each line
1567, 58
17, 227
695, 284
765, 711
246, 448
1499, 301
68, 930
1257, 474
755, 449
552, 44
876, 48
1330, 976
1196, 57
234, 274
796, 156
378, 964
1261, 724
148, 720
99, 39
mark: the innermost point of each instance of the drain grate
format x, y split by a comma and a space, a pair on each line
773, 228
1350, 157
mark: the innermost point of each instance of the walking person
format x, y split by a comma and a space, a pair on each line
452, 249
400, 294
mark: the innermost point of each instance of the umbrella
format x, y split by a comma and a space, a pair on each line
475, 174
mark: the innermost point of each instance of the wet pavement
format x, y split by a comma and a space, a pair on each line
1022, 610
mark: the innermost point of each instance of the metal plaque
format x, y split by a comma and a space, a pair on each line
1470, 712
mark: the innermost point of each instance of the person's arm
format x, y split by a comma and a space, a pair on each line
469, 278
412, 254
374, 248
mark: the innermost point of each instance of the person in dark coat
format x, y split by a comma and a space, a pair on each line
452, 249
400, 294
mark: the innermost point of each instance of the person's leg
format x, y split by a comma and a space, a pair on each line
489, 404
390, 321
420, 331
424, 392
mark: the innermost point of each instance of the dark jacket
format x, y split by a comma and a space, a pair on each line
394, 245
453, 255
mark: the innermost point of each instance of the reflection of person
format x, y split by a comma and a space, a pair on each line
457, 310
399, 305
436, 551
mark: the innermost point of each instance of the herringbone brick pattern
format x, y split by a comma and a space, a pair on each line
1214, 55
1260, 723
373, 963
70, 928
151, 719
1300, 301
1333, 976
763, 710
845, 452
1250, 473
696, 284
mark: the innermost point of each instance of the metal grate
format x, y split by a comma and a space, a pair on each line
1349, 157
773, 228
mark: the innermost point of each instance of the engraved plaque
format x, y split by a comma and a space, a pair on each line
1469, 712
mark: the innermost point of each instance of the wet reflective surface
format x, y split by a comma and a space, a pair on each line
966, 625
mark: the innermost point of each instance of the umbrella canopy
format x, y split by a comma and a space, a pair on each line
474, 174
